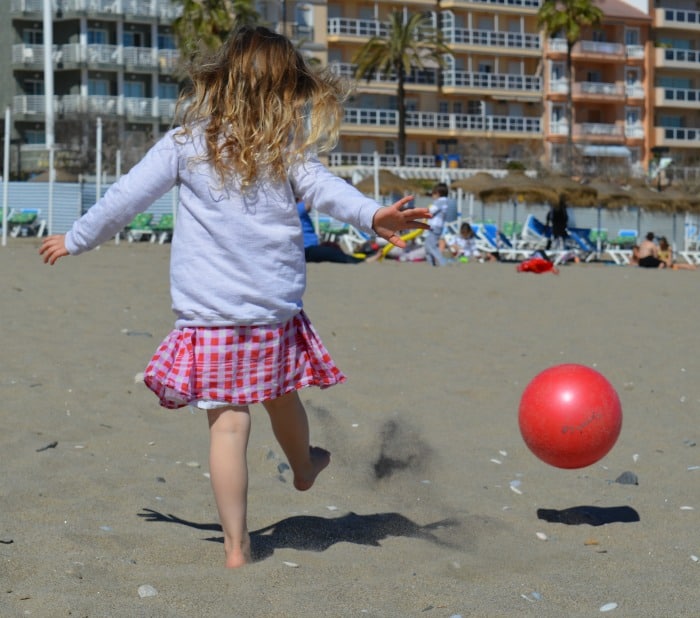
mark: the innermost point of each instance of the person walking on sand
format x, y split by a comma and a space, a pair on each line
433, 238
253, 119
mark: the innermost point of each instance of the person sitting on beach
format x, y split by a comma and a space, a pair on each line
254, 117
314, 250
666, 255
464, 246
648, 256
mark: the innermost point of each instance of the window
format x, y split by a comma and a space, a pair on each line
31, 36
671, 121
457, 107
633, 115
98, 87
558, 71
97, 37
34, 86
599, 36
134, 90
485, 67
134, 39
474, 108
33, 136
594, 76
631, 36
166, 41
167, 91
443, 107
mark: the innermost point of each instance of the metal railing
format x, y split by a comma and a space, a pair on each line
500, 81
492, 38
682, 55
685, 95
162, 9
130, 107
682, 17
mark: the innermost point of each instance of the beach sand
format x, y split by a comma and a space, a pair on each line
104, 492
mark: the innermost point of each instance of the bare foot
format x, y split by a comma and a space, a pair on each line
320, 458
238, 556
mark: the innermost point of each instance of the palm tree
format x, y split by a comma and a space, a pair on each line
410, 43
569, 17
204, 24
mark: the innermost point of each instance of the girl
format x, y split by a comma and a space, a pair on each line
244, 155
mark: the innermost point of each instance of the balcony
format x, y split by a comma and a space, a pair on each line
356, 28
677, 136
601, 131
512, 41
494, 84
677, 97
677, 19
598, 91
524, 7
110, 57
432, 122
425, 77
588, 50
677, 58
164, 10
131, 108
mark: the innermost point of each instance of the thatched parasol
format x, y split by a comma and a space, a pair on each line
476, 183
517, 186
389, 183
574, 193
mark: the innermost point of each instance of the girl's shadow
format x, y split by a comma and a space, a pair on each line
311, 533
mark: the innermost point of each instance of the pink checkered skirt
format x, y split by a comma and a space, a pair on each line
239, 365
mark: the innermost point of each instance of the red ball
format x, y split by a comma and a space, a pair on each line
570, 416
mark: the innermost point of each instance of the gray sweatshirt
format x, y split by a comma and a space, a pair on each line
236, 258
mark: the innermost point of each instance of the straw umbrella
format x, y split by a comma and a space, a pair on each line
389, 183
517, 187
574, 193
473, 185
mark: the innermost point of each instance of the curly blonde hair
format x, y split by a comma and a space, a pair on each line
262, 106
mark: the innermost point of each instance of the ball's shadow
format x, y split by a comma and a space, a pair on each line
590, 515
312, 533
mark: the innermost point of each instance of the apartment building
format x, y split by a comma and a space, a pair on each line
674, 125
113, 59
609, 93
500, 98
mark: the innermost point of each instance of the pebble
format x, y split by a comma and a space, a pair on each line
608, 607
147, 591
496, 461
332, 508
515, 486
293, 565
541, 536
687, 508
192, 464
694, 558
627, 478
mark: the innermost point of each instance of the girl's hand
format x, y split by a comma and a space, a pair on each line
52, 248
390, 220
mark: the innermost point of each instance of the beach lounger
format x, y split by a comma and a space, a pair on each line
25, 222
140, 227
491, 240
163, 229
535, 234
580, 238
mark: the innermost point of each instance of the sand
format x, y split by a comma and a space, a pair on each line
104, 492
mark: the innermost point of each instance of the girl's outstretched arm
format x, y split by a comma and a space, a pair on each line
52, 248
390, 220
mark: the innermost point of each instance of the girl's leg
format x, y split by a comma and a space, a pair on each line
229, 429
291, 428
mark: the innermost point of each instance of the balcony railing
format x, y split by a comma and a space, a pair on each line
162, 9
599, 129
526, 4
438, 121
131, 58
588, 47
130, 107
365, 28
491, 81
491, 38
336, 159
599, 89
427, 77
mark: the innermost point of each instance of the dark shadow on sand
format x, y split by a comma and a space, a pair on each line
591, 515
311, 533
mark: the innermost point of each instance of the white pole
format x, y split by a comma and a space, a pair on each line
118, 173
48, 100
98, 160
6, 174
376, 176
